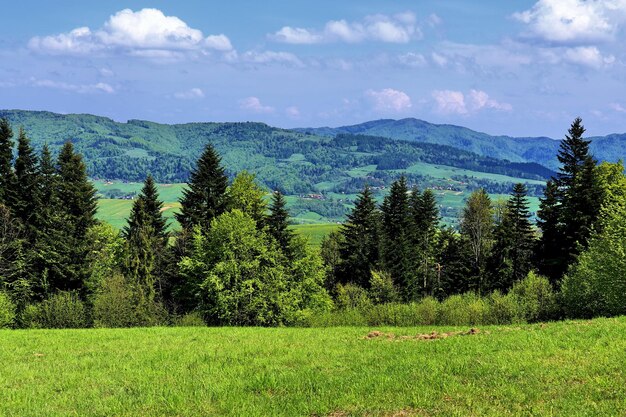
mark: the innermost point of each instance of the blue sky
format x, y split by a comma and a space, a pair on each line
523, 68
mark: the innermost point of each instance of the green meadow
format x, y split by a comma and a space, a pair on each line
572, 368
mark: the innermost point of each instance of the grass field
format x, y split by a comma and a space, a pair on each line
570, 369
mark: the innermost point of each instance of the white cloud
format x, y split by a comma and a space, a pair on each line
389, 100
193, 93
293, 112
77, 88
412, 59
267, 57
400, 28
455, 102
449, 101
573, 22
254, 105
588, 56
617, 107
479, 100
439, 59
147, 32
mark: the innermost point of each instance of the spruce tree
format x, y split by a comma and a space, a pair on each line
359, 247
514, 241
152, 212
140, 252
27, 202
549, 255
577, 203
205, 198
278, 222
78, 206
396, 245
7, 175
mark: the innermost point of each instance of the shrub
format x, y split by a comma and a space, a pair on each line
503, 309
352, 296
345, 317
63, 310
7, 311
382, 290
535, 298
193, 319
427, 310
478, 309
392, 315
454, 311
113, 305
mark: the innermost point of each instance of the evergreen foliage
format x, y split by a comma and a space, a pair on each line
7, 175
514, 243
359, 247
205, 198
278, 222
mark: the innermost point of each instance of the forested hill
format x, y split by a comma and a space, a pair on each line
541, 150
296, 162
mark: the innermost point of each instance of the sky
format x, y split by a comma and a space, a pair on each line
520, 68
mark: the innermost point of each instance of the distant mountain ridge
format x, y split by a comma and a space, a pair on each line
541, 150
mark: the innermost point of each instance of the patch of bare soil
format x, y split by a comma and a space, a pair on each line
375, 334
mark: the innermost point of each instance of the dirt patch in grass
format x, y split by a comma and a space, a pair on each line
434, 335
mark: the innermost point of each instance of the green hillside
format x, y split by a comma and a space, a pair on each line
541, 150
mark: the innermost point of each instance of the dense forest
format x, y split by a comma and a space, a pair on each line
236, 262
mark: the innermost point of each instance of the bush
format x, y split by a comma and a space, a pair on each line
503, 309
393, 315
428, 310
352, 296
535, 298
193, 319
454, 311
382, 290
7, 311
63, 310
346, 317
113, 305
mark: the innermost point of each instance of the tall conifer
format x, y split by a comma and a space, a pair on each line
7, 175
278, 222
205, 198
359, 247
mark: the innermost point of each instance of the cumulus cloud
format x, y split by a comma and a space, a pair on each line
77, 88
389, 100
254, 105
573, 22
456, 102
589, 56
147, 32
193, 93
399, 28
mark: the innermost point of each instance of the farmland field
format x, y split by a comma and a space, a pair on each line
568, 368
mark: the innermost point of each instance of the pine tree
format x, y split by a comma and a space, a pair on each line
359, 246
278, 223
514, 241
453, 272
205, 198
477, 227
27, 202
7, 176
396, 245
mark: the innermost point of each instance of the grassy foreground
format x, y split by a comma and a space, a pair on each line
569, 368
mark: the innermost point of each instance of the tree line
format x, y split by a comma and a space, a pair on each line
235, 260
400, 248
